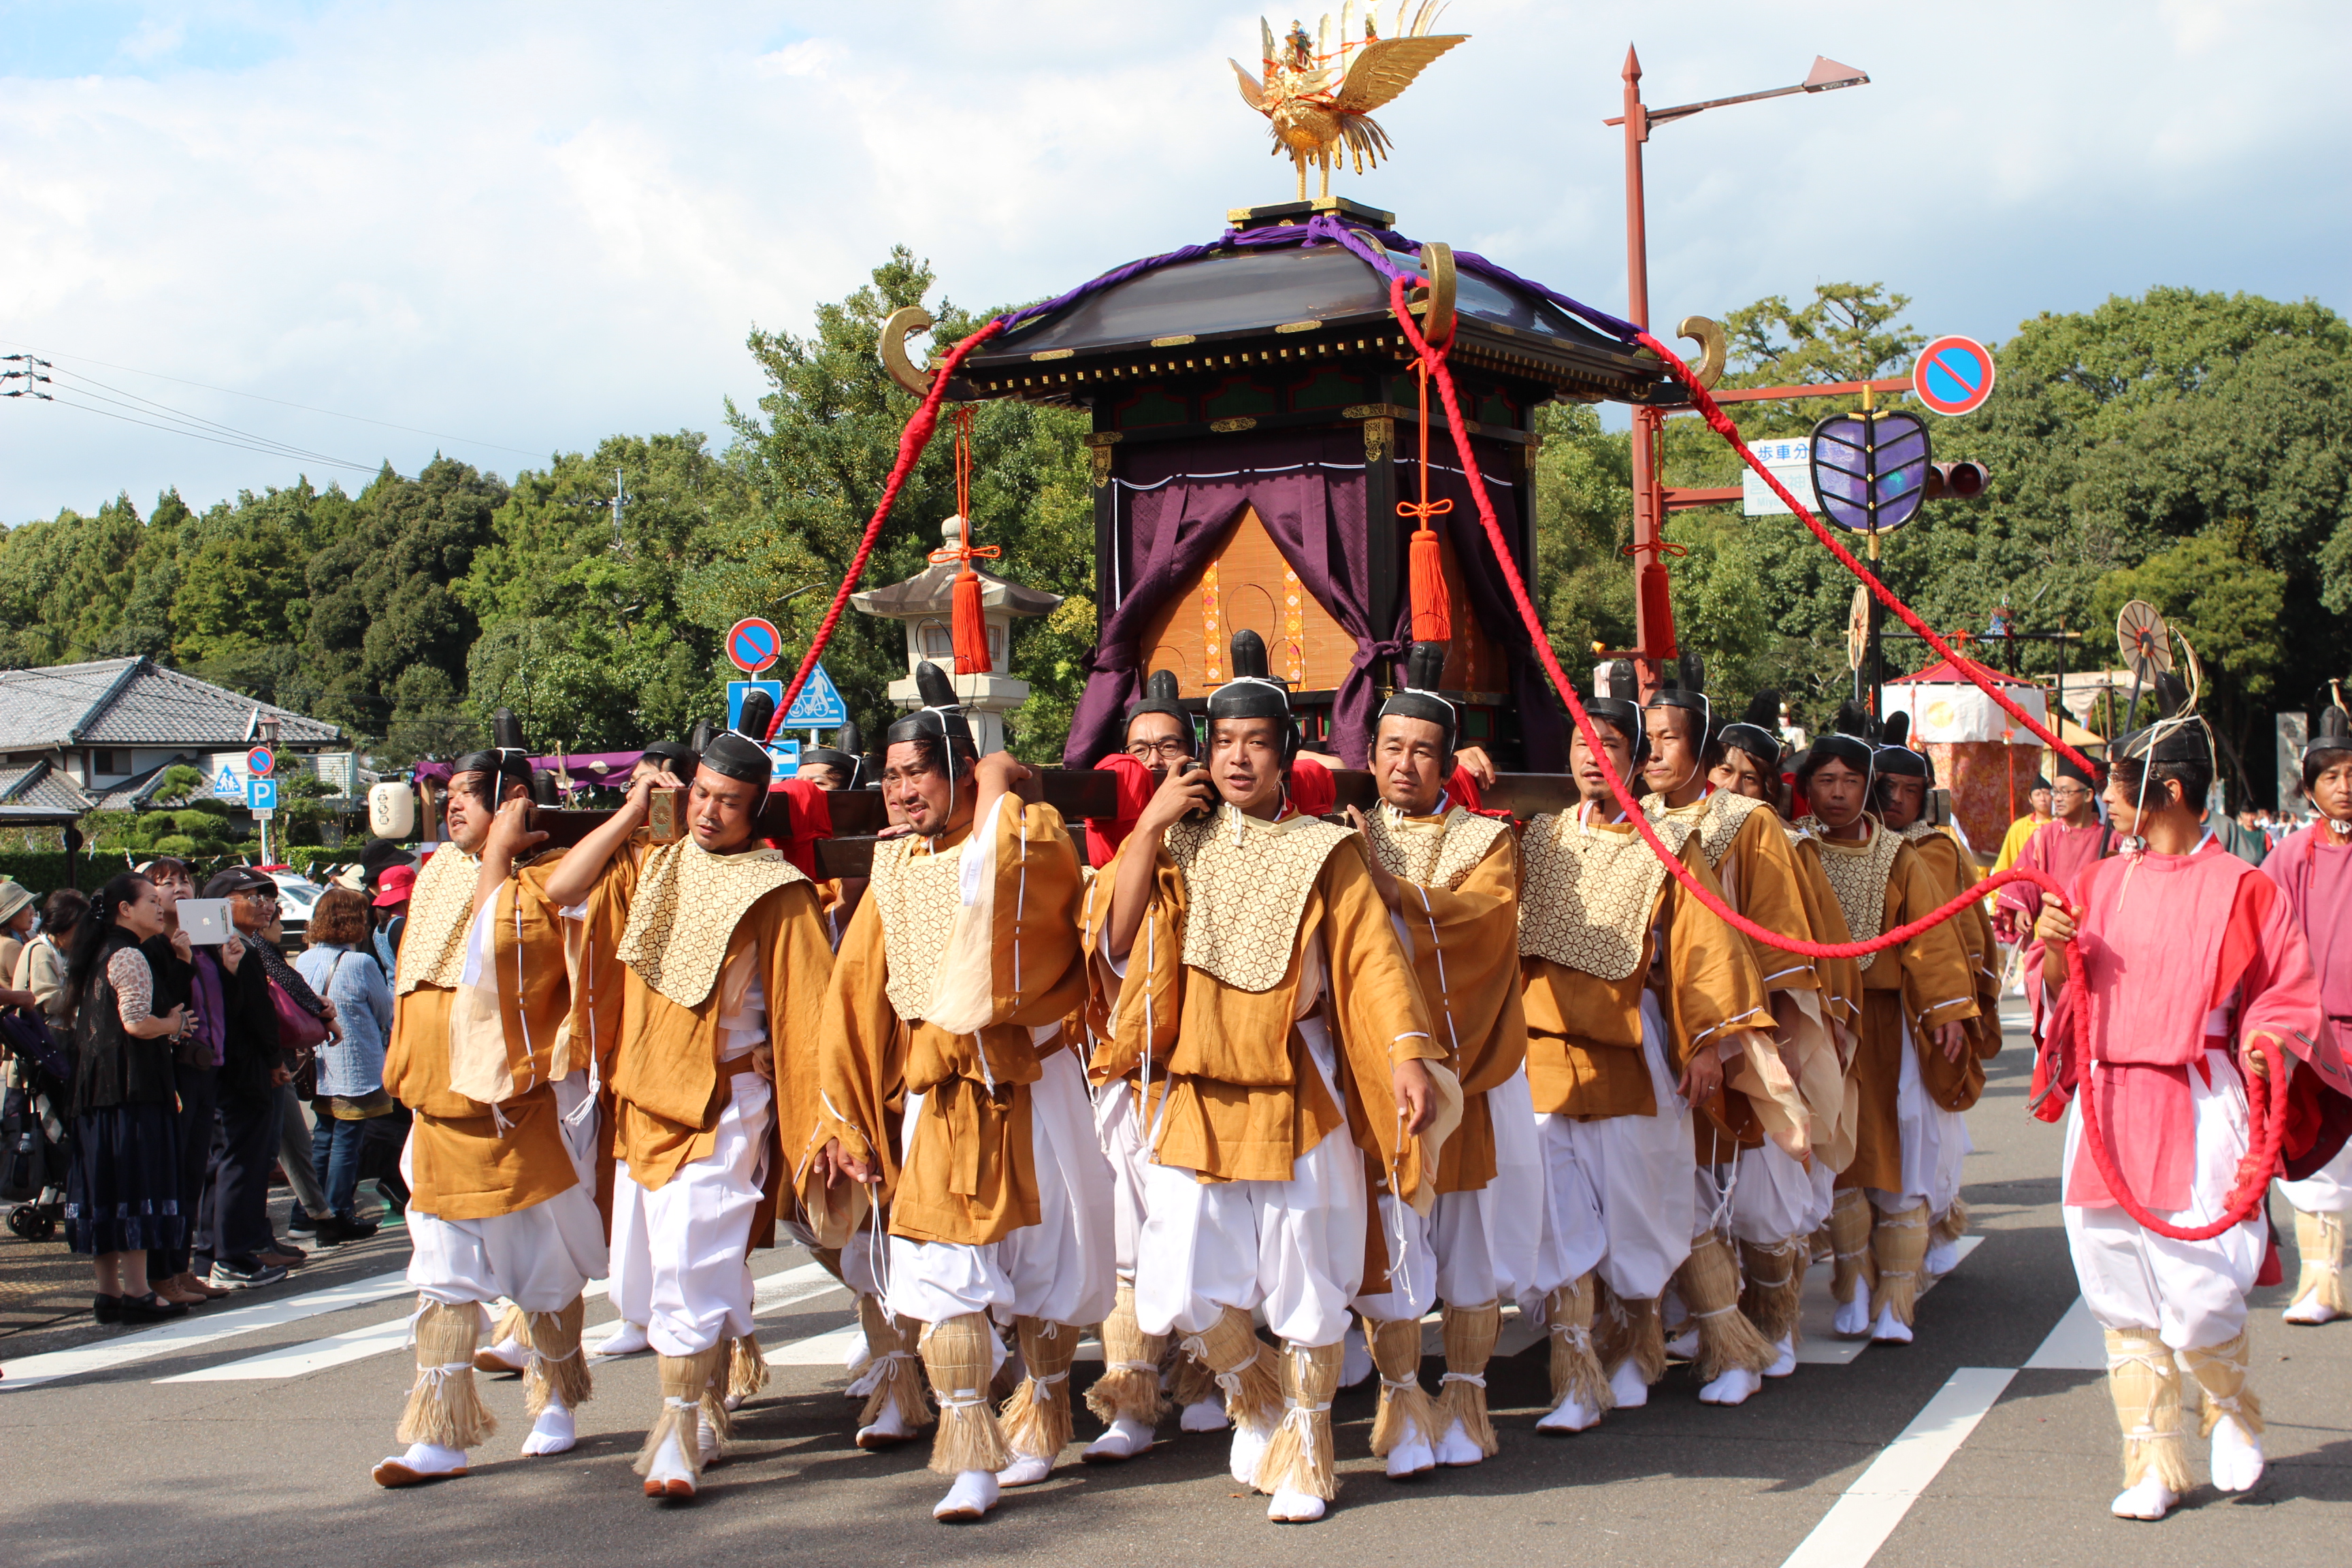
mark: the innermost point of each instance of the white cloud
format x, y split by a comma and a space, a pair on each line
533, 225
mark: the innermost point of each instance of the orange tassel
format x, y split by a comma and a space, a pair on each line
968, 627
1432, 609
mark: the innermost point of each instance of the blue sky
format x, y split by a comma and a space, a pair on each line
505, 229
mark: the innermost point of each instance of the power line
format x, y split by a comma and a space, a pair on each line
198, 434
306, 408
168, 412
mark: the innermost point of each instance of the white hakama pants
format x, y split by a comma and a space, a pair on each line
681, 1250
1618, 1189
2192, 1293
1934, 1142
2328, 1190
1487, 1241
1295, 1248
1775, 1197
1063, 1269
540, 1257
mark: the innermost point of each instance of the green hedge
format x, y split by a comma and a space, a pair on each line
44, 870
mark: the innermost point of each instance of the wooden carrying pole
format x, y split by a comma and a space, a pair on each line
1077, 794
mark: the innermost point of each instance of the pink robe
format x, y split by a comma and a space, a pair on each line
2180, 953
2065, 853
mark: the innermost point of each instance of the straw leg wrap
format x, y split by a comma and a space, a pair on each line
1406, 1409
686, 1383
1773, 1297
555, 1370
1852, 1265
889, 1380
1243, 1366
1709, 1282
1949, 1226
1898, 1247
1188, 1379
1470, 1334
1129, 1385
2147, 1388
444, 1406
1632, 1331
1299, 1458
1575, 1361
512, 1323
2221, 1374
960, 1356
2319, 1243
1036, 1420
746, 1369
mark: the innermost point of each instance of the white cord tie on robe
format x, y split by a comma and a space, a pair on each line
1470, 1377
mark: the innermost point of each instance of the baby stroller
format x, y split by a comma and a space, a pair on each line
33, 1152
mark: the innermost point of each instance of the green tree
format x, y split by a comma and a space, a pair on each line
814, 458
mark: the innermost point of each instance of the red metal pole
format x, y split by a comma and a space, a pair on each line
1654, 618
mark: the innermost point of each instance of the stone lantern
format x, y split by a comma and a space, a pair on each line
925, 602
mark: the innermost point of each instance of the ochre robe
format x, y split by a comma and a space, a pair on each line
1926, 982
666, 1086
507, 1039
1460, 924
1584, 1031
1243, 1100
1007, 968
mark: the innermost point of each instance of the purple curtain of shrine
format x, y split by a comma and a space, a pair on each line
1178, 498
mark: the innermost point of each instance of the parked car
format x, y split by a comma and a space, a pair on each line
297, 895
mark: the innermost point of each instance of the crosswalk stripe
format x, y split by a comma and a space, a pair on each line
199, 1329
2076, 1343
1853, 1530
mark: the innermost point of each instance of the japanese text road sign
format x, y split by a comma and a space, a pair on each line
1953, 374
754, 644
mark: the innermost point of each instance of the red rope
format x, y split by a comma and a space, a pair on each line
2266, 1122
1724, 427
911, 442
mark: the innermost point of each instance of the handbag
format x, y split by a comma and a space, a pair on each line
298, 1030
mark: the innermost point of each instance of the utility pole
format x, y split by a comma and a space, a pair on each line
33, 372
620, 499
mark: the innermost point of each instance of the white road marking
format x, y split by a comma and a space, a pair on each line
768, 1293
1820, 1344
1851, 1533
2076, 1343
198, 1328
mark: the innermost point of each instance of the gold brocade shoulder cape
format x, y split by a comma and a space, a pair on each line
666, 1090
1584, 1029
1237, 1096
477, 1063
1460, 877
948, 1000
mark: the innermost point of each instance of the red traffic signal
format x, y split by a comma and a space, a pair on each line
1956, 481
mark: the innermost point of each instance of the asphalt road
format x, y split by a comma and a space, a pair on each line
266, 1461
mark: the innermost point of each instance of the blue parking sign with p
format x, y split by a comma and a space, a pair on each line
739, 689
261, 795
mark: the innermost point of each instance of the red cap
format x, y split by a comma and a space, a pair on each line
393, 885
